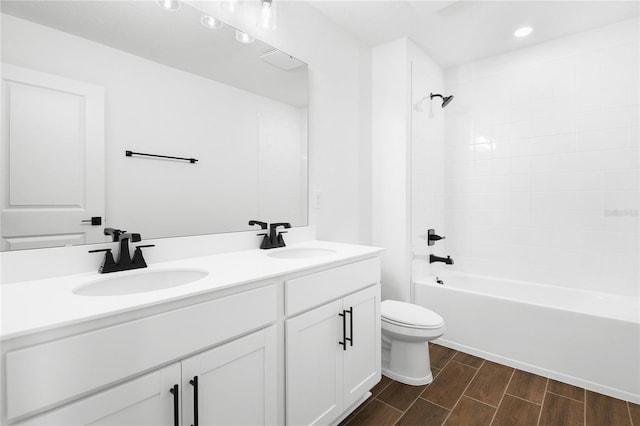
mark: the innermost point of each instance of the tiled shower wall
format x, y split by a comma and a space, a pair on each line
542, 162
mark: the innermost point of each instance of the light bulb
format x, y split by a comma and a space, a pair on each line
267, 15
211, 22
230, 6
523, 32
169, 4
244, 37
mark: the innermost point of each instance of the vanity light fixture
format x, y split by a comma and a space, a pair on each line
169, 4
244, 38
523, 32
210, 22
267, 15
230, 6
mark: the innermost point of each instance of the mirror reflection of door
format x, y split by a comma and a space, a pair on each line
52, 160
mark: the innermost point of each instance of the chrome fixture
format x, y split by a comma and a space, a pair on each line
445, 99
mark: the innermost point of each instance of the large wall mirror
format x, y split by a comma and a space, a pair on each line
83, 82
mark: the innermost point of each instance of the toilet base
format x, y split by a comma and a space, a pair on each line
414, 381
406, 362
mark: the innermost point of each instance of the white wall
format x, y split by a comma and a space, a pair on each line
542, 162
427, 162
248, 147
408, 154
339, 112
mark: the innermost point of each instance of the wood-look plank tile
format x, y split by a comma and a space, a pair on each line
375, 413
399, 395
604, 410
470, 360
565, 389
382, 384
527, 386
435, 371
634, 409
490, 383
355, 412
468, 412
558, 410
449, 385
515, 411
423, 413
440, 355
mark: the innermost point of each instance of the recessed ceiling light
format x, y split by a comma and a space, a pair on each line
211, 22
169, 4
244, 37
523, 32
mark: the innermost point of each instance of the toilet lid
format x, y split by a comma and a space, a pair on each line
409, 314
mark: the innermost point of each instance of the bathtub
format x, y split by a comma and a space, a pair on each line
584, 338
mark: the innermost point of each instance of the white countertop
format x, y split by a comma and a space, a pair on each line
35, 306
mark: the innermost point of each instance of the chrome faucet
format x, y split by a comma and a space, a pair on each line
125, 262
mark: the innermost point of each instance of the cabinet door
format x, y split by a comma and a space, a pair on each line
362, 357
236, 383
314, 366
144, 401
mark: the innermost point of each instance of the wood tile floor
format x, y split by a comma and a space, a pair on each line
468, 391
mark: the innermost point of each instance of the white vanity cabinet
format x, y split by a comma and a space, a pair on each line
229, 378
333, 351
70, 370
146, 401
236, 383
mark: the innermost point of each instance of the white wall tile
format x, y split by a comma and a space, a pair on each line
555, 198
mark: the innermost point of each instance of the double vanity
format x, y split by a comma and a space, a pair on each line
282, 336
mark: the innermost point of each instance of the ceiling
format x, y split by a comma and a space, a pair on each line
456, 32
175, 39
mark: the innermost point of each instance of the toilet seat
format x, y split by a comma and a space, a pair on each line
409, 315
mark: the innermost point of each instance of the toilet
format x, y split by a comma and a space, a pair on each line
406, 329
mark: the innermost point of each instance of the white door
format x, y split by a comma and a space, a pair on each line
52, 160
146, 401
362, 357
314, 366
236, 383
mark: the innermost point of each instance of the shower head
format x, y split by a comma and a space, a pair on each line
445, 99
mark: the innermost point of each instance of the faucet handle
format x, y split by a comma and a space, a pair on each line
138, 259
108, 261
263, 225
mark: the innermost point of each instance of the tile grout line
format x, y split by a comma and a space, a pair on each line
420, 396
502, 397
568, 397
397, 409
523, 399
482, 402
544, 396
584, 409
462, 394
629, 412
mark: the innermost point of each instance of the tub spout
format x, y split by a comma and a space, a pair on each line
447, 260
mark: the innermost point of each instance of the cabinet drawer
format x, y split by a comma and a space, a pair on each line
315, 289
47, 374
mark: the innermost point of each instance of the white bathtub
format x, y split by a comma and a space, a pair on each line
587, 339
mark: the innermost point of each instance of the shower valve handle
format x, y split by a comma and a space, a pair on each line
432, 237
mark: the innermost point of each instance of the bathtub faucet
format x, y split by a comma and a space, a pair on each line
433, 258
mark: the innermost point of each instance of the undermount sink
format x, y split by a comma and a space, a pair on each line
300, 253
140, 282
